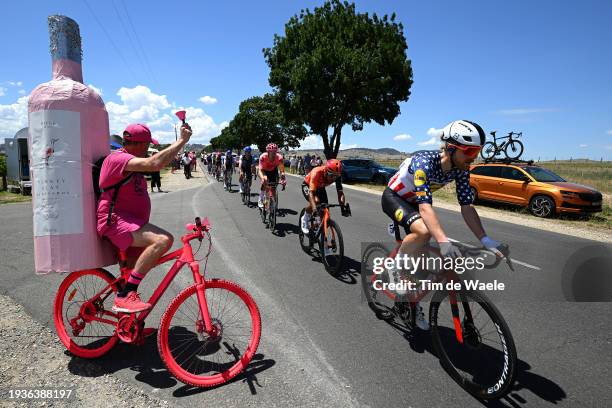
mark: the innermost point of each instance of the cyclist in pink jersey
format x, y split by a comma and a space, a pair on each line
128, 224
270, 163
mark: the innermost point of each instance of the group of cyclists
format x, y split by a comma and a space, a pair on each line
406, 200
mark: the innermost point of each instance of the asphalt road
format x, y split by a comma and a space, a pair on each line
321, 345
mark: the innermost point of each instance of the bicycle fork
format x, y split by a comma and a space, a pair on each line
207, 325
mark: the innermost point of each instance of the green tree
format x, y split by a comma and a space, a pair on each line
336, 67
228, 139
260, 121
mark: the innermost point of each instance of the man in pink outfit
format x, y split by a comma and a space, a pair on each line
128, 226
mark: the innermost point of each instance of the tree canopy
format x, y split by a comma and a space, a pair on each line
260, 121
336, 67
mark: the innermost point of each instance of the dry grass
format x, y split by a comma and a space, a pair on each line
6, 197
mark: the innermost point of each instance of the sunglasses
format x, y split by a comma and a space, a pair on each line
468, 151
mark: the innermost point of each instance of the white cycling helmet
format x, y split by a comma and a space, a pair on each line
463, 132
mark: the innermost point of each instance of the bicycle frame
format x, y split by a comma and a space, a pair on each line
182, 257
416, 296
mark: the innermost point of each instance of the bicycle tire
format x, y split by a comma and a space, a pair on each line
505, 373
332, 265
516, 146
374, 297
241, 361
272, 214
306, 191
67, 292
488, 151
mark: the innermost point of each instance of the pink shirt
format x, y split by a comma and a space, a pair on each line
267, 163
133, 202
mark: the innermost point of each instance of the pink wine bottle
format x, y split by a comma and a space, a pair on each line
68, 131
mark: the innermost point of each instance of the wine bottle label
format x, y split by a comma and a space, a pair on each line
56, 165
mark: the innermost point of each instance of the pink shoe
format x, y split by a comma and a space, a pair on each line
131, 303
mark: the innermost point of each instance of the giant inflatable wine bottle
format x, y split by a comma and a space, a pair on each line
68, 130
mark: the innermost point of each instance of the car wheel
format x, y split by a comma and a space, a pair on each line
542, 206
474, 194
379, 179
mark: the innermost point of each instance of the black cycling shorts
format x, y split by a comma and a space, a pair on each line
271, 175
399, 210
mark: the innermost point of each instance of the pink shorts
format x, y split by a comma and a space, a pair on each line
120, 230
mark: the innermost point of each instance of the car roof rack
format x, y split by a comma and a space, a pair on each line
508, 161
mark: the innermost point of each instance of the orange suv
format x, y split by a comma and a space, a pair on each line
528, 185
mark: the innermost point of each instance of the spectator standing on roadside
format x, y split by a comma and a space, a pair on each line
300, 166
293, 164
307, 164
186, 161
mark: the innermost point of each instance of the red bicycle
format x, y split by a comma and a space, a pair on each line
208, 334
469, 334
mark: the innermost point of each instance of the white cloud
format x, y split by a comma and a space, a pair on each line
208, 100
434, 140
311, 142
433, 132
609, 132
583, 145
140, 96
98, 90
140, 104
13, 117
608, 147
2, 91
21, 92
525, 111
403, 136
15, 83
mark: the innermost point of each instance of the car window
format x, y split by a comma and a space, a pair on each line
543, 175
512, 173
491, 171
347, 163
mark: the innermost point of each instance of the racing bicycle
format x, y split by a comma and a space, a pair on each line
208, 334
270, 205
246, 190
470, 336
512, 148
227, 182
325, 231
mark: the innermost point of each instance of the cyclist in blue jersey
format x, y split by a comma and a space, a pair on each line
407, 199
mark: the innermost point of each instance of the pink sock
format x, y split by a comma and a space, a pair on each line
135, 278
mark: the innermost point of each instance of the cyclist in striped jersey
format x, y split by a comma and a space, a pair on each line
408, 197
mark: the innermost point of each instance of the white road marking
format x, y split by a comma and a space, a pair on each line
525, 264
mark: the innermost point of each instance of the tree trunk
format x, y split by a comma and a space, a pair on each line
337, 134
4, 185
327, 147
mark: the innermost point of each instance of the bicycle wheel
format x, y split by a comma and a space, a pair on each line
272, 215
380, 301
305, 191
488, 151
484, 363
331, 247
200, 359
75, 307
305, 239
514, 149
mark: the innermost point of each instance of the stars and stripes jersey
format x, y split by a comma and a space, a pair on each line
420, 175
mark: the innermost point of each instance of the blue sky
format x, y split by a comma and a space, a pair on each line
541, 67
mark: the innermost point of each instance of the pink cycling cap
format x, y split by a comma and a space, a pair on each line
137, 132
